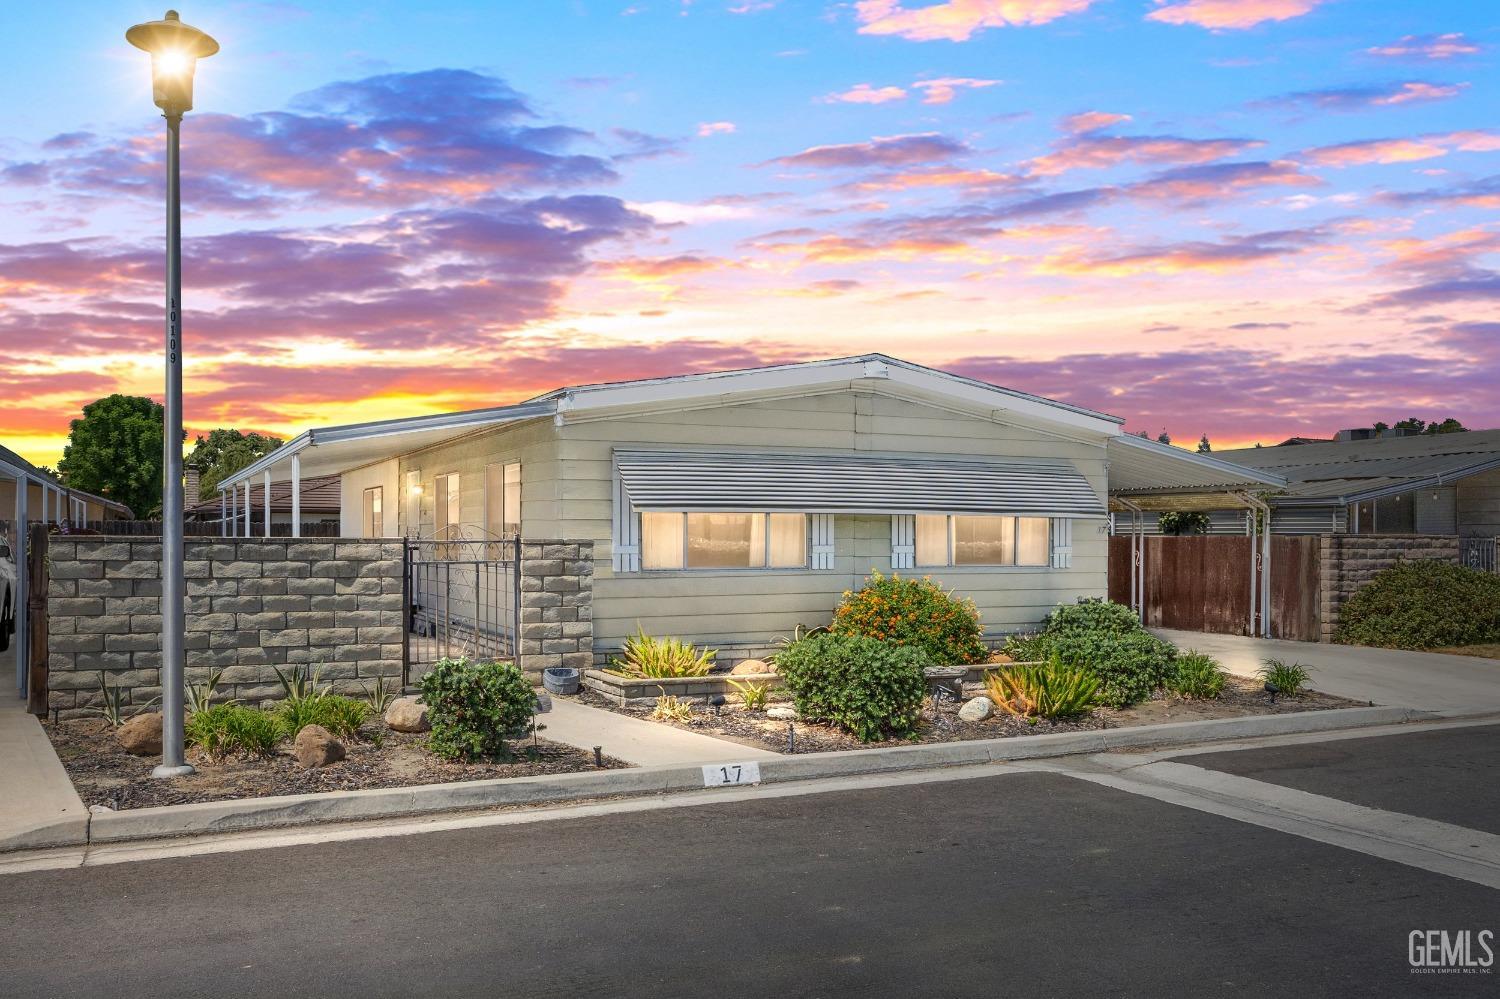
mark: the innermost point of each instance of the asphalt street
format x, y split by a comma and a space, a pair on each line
1018, 884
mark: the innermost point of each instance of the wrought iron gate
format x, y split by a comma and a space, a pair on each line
463, 598
1481, 553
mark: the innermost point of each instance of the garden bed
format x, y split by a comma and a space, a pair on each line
104, 774
1240, 697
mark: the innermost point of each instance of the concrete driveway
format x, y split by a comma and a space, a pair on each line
1423, 680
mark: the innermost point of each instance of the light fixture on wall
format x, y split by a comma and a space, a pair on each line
415, 490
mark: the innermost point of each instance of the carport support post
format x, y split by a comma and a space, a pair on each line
296, 496
223, 515
247, 508
266, 495
23, 577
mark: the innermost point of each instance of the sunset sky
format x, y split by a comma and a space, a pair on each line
1245, 218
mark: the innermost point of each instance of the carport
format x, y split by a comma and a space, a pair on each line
1147, 478
29, 496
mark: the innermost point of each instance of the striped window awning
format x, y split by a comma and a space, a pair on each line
757, 481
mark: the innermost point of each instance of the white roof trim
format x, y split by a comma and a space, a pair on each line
1200, 472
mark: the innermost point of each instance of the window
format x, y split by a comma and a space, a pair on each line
374, 520
982, 540
502, 499
723, 540
447, 518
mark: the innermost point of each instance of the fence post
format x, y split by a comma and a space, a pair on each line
36, 617
406, 621
515, 604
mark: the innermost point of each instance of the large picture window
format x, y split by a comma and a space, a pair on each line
982, 540
723, 540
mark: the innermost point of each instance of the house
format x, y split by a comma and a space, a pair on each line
1446, 484
318, 510
46, 499
729, 508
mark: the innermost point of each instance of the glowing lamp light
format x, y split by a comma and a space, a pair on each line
175, 50
414, 490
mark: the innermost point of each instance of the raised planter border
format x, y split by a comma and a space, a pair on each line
623, 690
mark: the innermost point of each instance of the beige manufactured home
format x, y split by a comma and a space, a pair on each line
730, 508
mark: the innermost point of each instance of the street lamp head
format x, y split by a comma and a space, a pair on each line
175, 50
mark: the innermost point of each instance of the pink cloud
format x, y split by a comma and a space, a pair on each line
883, 151
1411, 150
942, 91
1094, 152
1361, 98
1229, 14
1432, 48
864, 93
707, 128
1233, 253
1091, 121
957, 20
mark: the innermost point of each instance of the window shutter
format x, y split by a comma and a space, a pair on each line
822, 540
903, 541
625, 536
1062, 543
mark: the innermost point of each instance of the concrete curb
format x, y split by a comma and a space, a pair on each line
346, 806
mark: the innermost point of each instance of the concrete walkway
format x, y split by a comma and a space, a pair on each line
635, 741
38, 806
1427, 681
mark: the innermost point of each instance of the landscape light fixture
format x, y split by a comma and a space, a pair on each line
175, 50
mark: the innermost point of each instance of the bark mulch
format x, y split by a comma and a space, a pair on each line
1240, 697
104, 774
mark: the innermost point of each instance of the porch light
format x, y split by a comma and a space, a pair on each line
175, 50
415, 490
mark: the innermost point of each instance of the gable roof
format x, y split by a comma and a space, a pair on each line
1350, 471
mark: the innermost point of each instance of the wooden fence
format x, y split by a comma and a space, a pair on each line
1202, 583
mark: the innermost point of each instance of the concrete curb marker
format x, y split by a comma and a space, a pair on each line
377, 803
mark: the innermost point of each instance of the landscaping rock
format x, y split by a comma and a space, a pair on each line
543, 703
407, 714
978, 709
751, 667
782, 712
315, 746
141, 735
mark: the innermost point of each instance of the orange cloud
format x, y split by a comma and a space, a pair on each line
957, 20
864, 93
937, 178
1229, 14
1091, 121
1442, 251
1234, 253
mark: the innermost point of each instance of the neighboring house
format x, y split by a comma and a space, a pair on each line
320, 504
731, 507
1418, 484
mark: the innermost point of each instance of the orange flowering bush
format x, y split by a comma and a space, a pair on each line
917, 612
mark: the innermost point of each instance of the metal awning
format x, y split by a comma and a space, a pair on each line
1139, 468
809, 483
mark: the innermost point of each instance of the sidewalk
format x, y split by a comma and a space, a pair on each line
1427, 681
40, 807
643, 743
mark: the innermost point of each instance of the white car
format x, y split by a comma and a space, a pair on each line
7, 595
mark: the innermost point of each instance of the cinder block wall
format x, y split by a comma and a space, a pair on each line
557, 605
252, 604
1349, 561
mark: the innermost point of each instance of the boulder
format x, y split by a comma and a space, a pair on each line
141, 735
315, 746
782, 712
407, 714
751, 667
978, 709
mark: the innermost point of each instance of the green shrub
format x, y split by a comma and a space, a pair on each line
1106, 639
223, 729
1287, 678
913, 612
1422, 604
870, 688
341, 715
1197, 676
1051, 690
661, 658
475, 706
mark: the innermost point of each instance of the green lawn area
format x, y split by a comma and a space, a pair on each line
1488, 650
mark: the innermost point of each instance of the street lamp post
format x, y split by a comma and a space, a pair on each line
175, 50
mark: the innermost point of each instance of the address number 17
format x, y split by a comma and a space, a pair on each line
730, 774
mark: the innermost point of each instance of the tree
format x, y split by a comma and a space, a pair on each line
1204, 447
1448, 426
1163, 438
224, 452
115, 450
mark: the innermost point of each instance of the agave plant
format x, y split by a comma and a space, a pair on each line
752, 695
380, 696
1051, 690
662, 658
200, 696
113, 705
1287, 678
